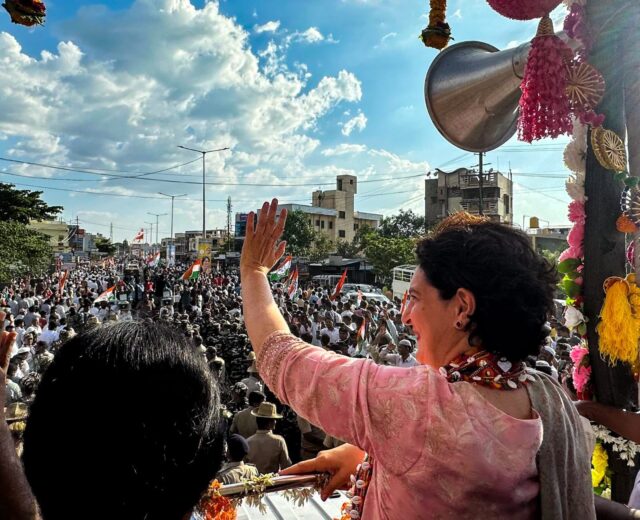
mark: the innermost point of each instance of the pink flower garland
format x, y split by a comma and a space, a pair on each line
523, 9
545, 110
581, 369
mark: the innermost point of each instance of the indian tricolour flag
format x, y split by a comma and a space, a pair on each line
281, 271
193, 272
293, 284
106, 296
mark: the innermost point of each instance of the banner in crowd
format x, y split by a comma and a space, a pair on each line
171, 255
204, 255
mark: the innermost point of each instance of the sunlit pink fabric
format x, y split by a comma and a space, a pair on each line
440, 450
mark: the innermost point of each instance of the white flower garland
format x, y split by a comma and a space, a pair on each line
626, 449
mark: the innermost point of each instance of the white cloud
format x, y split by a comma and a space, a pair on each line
269, 27
311, 35
193, 80
358, 122
458, 14
344, 149
388, 36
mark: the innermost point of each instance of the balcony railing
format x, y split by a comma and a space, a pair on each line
471, 181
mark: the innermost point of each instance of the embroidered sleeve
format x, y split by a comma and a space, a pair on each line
355, 400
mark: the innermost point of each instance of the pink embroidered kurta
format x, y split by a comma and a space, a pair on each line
440, 450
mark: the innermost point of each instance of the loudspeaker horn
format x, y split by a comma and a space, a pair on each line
472, 91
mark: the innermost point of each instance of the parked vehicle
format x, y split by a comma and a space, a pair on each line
368, 296
402, 279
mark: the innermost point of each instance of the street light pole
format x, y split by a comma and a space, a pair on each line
157, 215
204, 153
150, 233
172, 197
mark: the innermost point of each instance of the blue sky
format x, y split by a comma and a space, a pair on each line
299, 90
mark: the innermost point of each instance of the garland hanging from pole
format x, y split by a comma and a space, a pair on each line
438, 33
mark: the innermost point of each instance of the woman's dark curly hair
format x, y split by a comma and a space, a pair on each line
512, 284
125, 425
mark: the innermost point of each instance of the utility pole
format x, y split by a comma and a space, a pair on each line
111, 232
157, 215
204, 184
480, 181
172, 197
229, 208
150, 233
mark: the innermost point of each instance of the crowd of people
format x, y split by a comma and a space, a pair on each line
279, 408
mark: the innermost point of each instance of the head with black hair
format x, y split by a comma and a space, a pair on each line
478, 283
131, 412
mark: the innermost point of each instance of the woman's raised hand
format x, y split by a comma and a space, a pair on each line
262, 246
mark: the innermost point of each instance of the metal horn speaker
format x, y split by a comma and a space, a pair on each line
472, 92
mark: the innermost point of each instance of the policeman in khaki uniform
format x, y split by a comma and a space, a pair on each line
266, 450
235, 471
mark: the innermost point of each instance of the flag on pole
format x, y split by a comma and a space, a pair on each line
62, 282
404, 302
293, 284
139, 236
193, 272
361, 341
106, 296
282, 270
339, 285
359, 299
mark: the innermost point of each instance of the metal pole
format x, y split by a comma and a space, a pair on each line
204, 209
172, 197
204, 184
480, 182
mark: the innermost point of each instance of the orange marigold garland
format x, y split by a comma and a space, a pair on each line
214, 506
438, 33
26, 12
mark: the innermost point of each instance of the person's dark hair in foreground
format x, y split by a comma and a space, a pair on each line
124, 426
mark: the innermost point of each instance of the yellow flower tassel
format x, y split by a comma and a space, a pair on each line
599, 462
619, 326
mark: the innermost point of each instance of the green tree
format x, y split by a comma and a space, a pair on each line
348, 249
298, 233
322, 247
385, 253
104, 245
405, 224
23, 251
24, 205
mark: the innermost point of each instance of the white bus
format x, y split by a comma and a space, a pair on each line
401, 279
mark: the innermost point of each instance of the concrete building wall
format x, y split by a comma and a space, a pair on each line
57, 231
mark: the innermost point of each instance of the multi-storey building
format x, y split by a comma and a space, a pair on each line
459, 190
333, 212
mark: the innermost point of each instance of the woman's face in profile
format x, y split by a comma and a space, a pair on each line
431, 318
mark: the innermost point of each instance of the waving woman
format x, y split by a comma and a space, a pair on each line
468, 431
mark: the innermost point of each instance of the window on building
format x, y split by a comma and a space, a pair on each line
434, 200
330, 225
356, 227
342, 214
339, 184
322, 224
310, 222
350, 181
317, 223
505, 198
342, 233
